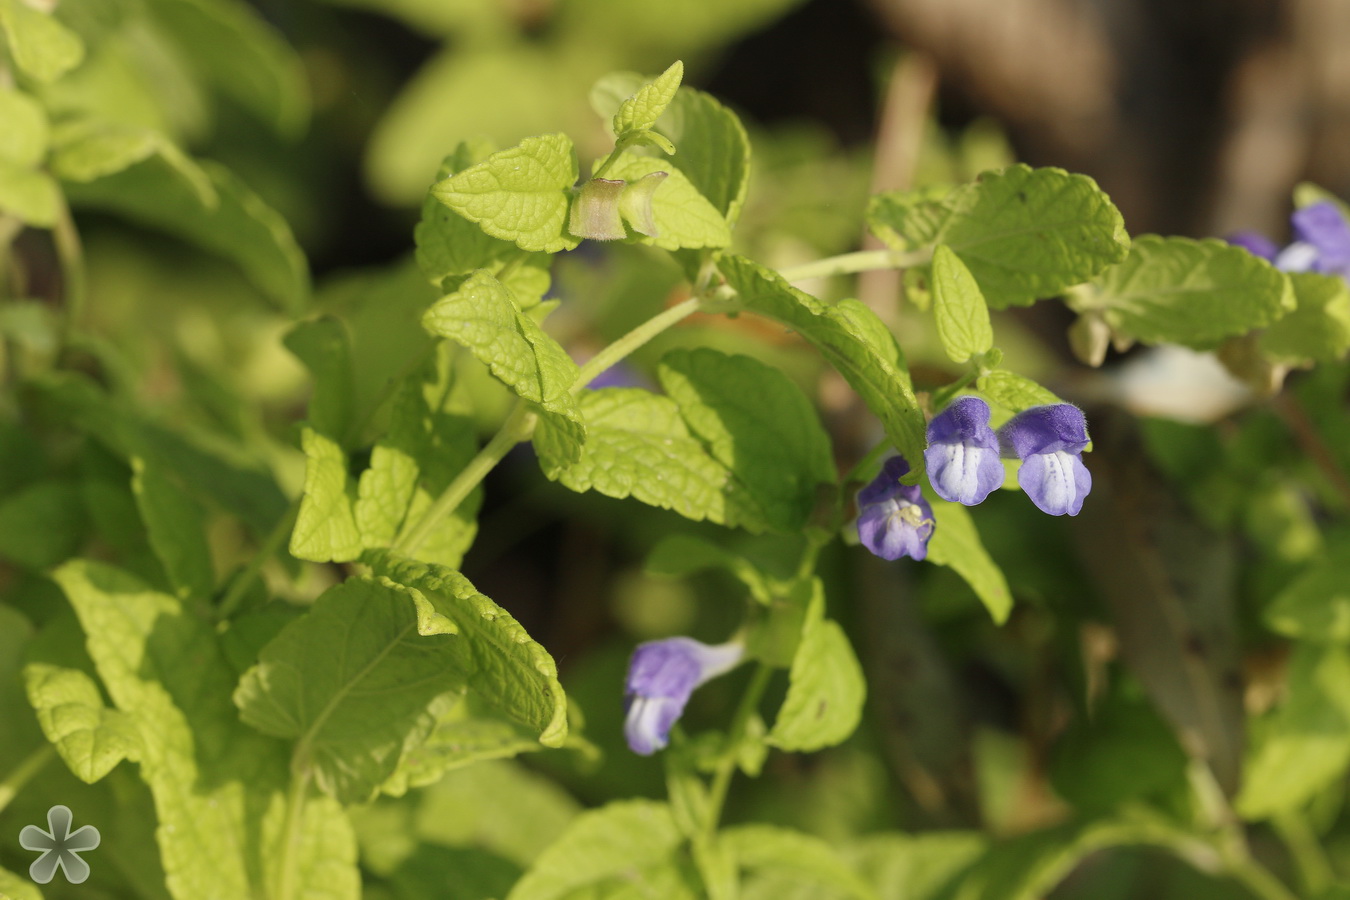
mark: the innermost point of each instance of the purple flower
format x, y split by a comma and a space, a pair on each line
893, 519
1321, 242
661, 676
1050, 440
962, 452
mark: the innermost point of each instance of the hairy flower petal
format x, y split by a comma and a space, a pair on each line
962, 454
894, 519
661, 677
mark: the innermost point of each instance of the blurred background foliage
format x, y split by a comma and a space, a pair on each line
1218, 535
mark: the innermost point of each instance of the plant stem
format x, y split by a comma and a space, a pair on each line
717, 793
633, 340
229, 604
517, 427
1313, 866
1258, 879
24, 772
850, 263
290, 836
70, 254
942, 396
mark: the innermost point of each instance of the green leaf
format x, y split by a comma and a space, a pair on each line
826, 687
1318, 329
1014, 391
90, 737
1315, 606
956, 544
221, 785
1024, 233
603, 845
239, 54
520, 194
640, 111
32, 196
12, 887
1196, 293
349, 712
462, 735
325, 529
758, 424
805, 855
42, 524
852, 339
482, 315
683, 216
177, 529
324, 347
959, 308
23, 141
509, 673
637, 445
39, 45
1305, 744
137, 175
684, 554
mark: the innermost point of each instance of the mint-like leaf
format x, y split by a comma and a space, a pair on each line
23, 141
957, 545
350, 712
639, 112
851, 339
958, 308
324, 347
325, 529
176, 525
683, 216
1318, 329
1181, 291
482, 315
804, 855
757, 424
90, 737
1014, 392
1024, 233
31, 195
520, 194
39, 45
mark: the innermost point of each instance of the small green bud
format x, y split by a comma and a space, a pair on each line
595, 211
635, 203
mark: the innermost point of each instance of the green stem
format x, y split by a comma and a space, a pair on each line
24, 772
229, 604
1313, 866
619, 146
943, 396
852, 263
517, 427
1259, 880
726, 767
70, 255
858, 474
633, 340
290, 836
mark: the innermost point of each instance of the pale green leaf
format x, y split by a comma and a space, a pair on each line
1181, 291
1315, 606
23, 140
238, 53
637, 445
219, 788
324, 346
482, 315
1318, 329
86, 150
640, 111
12, 887
508, 672
600, 846
826, 687
756, 423
90, 737
520, 194
176, 525
916, 866
1024, 233
957, 545
31, 195
804, 855
1013, 391
683, 216
462, 735
1305, 745
852, 339
958, 308
325, 529
39, 45
350, 712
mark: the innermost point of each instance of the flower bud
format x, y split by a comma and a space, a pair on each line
595, 210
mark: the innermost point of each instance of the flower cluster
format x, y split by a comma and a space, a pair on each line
963, 466
1321, 242
661, 676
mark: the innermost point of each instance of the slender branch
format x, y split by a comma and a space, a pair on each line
726, 767
633, 340
942, 396
24, 772
850, 263
229, 604
517, 427
291, 835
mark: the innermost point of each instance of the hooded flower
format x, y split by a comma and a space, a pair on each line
1321, 242
1050, 440
962, 452
602, 205
893, 519
661, 676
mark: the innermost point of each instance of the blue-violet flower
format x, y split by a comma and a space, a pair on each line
661, 676
893, 518
963, 452
1321, 242
1050, 440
